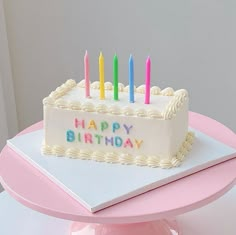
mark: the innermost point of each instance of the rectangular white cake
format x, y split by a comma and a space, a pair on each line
117, 131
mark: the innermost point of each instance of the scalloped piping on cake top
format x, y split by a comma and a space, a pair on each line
127, 159
180, 97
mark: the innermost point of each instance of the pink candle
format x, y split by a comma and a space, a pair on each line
148, 81
86, 75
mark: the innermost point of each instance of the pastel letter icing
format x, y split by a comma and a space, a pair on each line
92, 124
104, 125
79, 123
118, 141
70, 136
128, 143
109, 140
115, 126
127, 128
98, 138
88, 138
138, 143
79, 137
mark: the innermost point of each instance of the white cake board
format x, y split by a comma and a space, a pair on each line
99, 185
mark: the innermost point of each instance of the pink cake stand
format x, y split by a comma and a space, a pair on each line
151, 213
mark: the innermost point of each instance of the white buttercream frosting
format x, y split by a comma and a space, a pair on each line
59, 92
175, 104
127, 159
58, 98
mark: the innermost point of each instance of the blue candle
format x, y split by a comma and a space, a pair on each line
131, 79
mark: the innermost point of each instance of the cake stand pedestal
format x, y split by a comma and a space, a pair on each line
159, 227
149, 213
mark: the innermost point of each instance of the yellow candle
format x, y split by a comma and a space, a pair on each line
101, 76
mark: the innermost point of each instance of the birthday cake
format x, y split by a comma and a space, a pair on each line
111, 123
105, 130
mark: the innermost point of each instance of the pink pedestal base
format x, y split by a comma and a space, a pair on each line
159, 227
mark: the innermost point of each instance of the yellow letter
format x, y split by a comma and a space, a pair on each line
92, 124
138, 143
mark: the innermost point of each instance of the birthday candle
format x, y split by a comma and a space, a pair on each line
148, 81
101, 76
115, 77
86, 75
131, 79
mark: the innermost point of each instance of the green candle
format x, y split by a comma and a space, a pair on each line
115, 77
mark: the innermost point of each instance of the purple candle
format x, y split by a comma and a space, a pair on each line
148, 81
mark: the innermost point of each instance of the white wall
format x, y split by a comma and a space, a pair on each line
8, 122
191, 44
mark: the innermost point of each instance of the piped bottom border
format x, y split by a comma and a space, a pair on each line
122, 158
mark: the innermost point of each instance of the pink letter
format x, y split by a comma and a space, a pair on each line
128, 143
88, 138
79, 123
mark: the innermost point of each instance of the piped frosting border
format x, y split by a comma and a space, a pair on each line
127, 159
180, 97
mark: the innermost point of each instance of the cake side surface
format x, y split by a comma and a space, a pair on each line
106, 130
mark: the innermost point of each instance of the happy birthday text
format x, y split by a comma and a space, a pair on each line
92, 132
